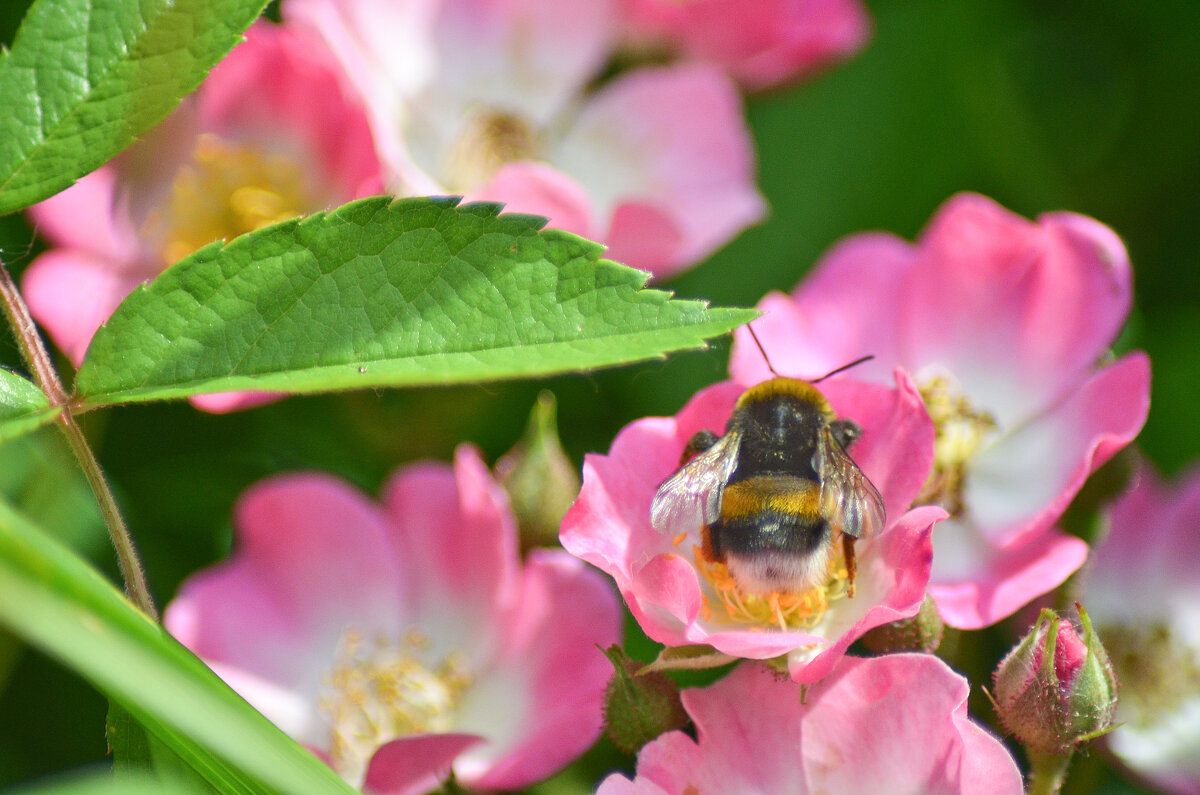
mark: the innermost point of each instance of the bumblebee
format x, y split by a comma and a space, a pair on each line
775, 492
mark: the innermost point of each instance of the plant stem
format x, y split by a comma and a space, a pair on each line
37, 359
1048, 772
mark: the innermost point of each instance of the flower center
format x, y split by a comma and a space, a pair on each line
489, 139
382, 689
961, 429
224, 190
1157, 672
782, 610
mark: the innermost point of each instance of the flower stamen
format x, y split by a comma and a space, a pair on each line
490, 138
382, 689
226, 189
781, 610
1158, 672
961, 430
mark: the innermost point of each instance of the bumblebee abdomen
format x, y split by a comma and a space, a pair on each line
770, 514
778, 494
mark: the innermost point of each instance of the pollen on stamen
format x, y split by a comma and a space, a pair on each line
961, 431
386, 688
225, 189
784, 611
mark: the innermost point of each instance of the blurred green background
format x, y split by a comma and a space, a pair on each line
1086, 106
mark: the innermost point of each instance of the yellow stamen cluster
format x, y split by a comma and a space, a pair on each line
384, 688
1157, 671
489, 140
227, 189
778, 610
961, 431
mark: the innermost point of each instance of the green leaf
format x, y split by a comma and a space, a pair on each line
54, 601
23, 407
386, 293
86, 77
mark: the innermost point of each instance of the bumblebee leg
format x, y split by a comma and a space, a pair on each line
851, 562
700, 442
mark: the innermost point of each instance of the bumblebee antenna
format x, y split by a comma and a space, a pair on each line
762, 350
843, 367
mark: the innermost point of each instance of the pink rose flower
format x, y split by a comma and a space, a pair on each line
761, 43
401, 639
679, 600
490, 99
1143, 594
1001, 322
268, 136
896, 723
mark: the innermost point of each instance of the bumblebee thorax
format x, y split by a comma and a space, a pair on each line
787, 389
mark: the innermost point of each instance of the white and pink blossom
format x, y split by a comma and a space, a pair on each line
761, 43
679, 601
1004, 325
1143, 592
491, 99
401, 640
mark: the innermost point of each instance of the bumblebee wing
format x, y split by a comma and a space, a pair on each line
691, 498
848, 500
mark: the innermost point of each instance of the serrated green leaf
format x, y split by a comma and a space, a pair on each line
56, 602
23, 407
386, 293
86, 77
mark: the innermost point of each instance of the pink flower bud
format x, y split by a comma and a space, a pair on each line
1056, 689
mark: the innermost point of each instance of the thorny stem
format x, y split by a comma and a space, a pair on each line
37, 359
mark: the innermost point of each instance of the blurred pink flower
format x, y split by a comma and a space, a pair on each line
1143, 594
398, 640
490, 99
678, 602
761, 43
896, 723
1001, 322
268, 136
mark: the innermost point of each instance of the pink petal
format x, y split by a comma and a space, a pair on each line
998, 299
644, 234
225, 402
415, 765
85, 216
282, 89
312, 558
912, 710
1144, 571
540, 706
992, 583
673, 139
71, 293
901, 718
762, 43
539, 189
529, 56
845, 308
1025, 481
456, 543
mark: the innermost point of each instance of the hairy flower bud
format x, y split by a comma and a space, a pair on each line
1056, 689
639, 707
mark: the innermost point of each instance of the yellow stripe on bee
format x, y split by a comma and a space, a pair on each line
788, 387
779, 493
